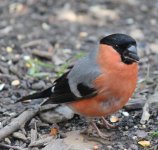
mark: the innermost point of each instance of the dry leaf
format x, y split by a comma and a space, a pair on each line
54, 131
114, 119
144, 143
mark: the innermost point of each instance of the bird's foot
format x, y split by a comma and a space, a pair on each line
94, 131
108, 125
99, 133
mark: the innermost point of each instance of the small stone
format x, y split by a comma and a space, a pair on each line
26, 57
58, 114
133, 147
126, 127
126, 114
134, 138
15, 83
153, 21
1, 125
9, 49
67, 14
136, 127
83, 34
154, 47
144, 8
16, 8
137, 34
45, 26
7, 140
2, 86
129, 21
100, 11
109, 147
38, 86
143, 126
141, 134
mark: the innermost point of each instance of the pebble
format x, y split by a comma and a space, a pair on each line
137, 34
129, 21
154, 47
133, 147
136, 127
14, 70
68, 15
45, 26
58, 114
9, 49
126, 127
109, 147
141, 134
144, 126
83, 34
101, 12
7, 140
2, 86
1, 125
153, 21
126, 114
15, 83
26, 57
134, 137
38, 86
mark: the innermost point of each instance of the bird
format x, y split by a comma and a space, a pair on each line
98, 84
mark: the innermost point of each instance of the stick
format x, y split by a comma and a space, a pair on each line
20, 121
17, 123
42, 54
11, 147
41, 142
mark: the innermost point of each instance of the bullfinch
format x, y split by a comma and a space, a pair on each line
100, 83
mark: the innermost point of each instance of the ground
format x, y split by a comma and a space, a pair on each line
39, 39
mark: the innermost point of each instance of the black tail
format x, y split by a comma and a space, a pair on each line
44, 94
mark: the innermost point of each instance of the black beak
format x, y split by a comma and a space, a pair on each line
132, 54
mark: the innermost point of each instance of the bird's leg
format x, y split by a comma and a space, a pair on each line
100, 134
107, 124
94, 130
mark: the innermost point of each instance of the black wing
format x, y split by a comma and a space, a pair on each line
60, 92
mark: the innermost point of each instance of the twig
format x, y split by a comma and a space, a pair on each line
41, 142
5, 122
20, 121
12, 147
38, 42
34, 134
47, 107
42, 54
146, 114
17, 123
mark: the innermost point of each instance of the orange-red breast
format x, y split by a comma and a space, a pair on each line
100, 83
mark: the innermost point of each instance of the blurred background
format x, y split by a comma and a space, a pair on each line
39, 39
